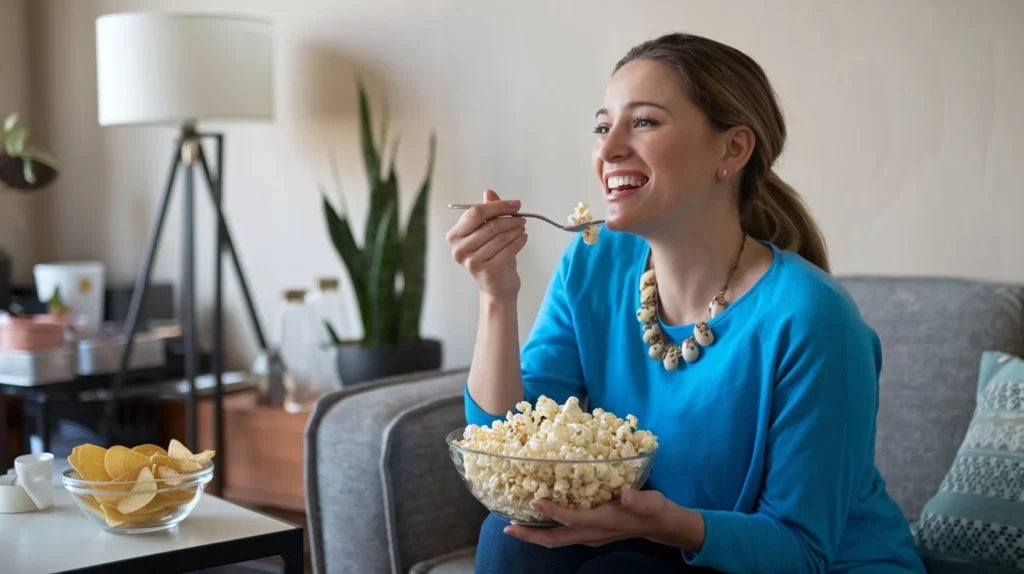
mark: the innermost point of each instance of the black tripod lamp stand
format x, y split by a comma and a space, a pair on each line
178, 69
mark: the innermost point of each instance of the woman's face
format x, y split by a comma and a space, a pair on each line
655, 152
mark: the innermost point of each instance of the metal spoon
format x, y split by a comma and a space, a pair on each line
569, 228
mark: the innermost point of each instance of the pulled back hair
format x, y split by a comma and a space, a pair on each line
732, 89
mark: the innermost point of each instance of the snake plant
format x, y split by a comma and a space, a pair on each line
390, 309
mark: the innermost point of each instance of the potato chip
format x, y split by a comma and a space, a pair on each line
116, 486
116, 519
143, 491
156, 504
169, 499
177, 450
90, 504
149, 449
181, 465
159, 460
88, 462
120, 460
186, 466
204, 457
180, 451
168, 476
177, 497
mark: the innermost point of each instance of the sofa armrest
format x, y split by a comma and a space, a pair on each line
381, 491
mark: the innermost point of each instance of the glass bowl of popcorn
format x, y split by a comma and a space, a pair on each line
558, 452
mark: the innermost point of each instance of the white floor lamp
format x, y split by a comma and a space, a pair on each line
180, 69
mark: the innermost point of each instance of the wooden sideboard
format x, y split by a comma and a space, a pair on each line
264, 449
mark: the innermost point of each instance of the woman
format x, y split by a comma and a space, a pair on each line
763, 400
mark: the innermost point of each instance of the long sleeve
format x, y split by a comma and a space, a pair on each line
818, 446
550, 358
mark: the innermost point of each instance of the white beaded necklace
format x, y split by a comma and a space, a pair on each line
659, 347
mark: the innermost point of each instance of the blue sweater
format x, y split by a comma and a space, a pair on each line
770, 435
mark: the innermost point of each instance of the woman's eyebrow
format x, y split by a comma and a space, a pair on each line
631, 106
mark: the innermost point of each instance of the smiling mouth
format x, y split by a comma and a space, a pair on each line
625, 183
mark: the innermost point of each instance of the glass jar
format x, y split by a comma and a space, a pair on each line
326, 301
329, 308
295, 339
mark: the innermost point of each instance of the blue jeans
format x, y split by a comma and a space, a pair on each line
499, 553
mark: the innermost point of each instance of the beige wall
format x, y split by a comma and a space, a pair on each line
19, 214
904, 130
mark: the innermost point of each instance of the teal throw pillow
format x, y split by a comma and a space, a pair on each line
976, 519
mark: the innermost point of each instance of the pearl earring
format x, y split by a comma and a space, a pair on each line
725, 173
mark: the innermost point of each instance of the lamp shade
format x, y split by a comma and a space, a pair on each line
154, 68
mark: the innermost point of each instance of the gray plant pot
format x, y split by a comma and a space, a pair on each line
357, 364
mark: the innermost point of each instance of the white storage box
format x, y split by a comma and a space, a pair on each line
81, 286
35, 368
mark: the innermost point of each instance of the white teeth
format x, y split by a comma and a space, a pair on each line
622, 181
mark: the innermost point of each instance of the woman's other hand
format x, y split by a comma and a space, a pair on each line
487, 245
636, 514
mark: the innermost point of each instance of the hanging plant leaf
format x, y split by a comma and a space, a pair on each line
14, 143
10, 122
27, 171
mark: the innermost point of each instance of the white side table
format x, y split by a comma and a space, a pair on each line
217, 533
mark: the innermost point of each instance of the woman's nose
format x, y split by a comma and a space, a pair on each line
615, 147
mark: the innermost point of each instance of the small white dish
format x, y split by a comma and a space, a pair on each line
13, 498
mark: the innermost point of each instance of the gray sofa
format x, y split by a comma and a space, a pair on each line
383, 496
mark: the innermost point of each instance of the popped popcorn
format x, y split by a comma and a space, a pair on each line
580, 216
558, 452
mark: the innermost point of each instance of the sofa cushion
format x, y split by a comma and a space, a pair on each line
429, 508
352, 440
978, 513
933, 333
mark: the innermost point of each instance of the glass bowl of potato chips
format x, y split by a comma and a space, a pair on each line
137, 490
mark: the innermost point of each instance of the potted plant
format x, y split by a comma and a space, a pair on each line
388, 272
22, 167
25, 169
35, 332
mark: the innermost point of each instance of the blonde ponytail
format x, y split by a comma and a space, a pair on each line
773, 211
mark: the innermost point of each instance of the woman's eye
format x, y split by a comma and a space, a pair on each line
642, 122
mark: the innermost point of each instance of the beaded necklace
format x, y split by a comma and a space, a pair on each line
660, 348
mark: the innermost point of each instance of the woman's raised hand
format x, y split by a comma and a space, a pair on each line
487, 245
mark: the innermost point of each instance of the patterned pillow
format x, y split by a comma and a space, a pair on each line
975, 522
